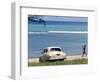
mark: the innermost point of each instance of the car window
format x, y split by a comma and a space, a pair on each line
45, 51
55, 49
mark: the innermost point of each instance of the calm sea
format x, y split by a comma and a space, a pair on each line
71, 43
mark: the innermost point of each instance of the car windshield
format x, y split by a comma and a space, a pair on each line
55, 49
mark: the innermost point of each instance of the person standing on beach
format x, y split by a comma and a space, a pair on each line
84, 50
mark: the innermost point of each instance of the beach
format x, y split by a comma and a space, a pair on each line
74, 57
68, 33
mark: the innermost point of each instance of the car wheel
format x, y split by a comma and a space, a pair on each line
44, 58
40, 59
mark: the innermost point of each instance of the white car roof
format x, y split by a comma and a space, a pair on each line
52, 47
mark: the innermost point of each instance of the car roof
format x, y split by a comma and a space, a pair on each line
52, 47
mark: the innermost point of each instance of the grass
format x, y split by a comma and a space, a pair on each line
67, 62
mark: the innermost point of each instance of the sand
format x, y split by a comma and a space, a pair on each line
75, 57
35, 60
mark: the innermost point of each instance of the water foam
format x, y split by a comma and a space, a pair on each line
72, 32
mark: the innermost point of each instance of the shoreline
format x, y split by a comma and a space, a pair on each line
75, 57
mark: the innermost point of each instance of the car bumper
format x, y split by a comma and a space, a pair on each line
57, 58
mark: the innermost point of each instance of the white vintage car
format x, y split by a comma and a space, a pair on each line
52, 54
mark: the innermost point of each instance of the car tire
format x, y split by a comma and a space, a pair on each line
44, 58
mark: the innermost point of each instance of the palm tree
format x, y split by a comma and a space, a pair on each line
37, 19
42, 21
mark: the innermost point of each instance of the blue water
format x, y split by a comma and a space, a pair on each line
70, 43
68, 26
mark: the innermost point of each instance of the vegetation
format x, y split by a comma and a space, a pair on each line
36, 19
67, 62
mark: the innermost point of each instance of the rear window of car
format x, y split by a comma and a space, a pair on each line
55, 49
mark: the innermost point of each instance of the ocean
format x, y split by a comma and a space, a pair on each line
58, 26
40, 37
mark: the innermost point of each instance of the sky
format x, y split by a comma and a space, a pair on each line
63, 18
